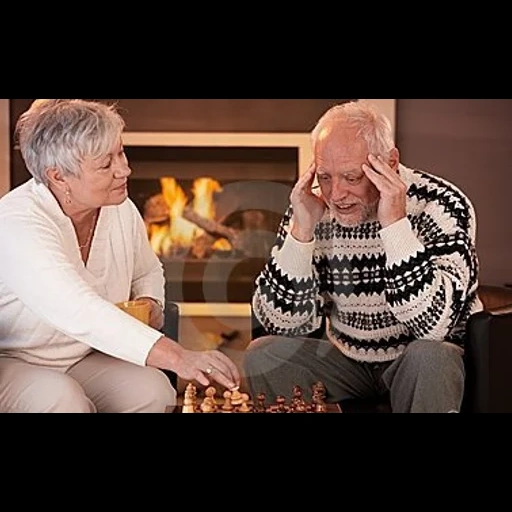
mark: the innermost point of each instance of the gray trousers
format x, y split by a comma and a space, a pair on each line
427, 377
97, 383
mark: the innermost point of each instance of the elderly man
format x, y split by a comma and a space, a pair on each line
387, 255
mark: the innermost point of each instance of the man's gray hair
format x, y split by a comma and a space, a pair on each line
62, 133
371, 124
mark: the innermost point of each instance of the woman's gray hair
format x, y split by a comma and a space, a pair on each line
370, 124
62, 133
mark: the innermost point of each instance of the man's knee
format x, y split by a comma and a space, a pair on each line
271, 347
259, 344
434, 354
268, 353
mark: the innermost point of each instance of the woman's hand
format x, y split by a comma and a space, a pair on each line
207, 366
203, 367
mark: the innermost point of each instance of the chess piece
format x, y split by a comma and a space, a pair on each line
236, 398
260, 403
298, 404
227, 406
245, 406
318, 399
296, 393
319, 391
189, 399
207, 405
210, 393
281, 404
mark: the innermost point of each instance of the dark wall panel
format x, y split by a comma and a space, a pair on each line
469, 142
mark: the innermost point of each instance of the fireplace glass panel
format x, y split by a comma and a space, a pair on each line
212, 214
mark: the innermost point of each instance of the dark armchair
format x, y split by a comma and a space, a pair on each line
488, 357
489, 354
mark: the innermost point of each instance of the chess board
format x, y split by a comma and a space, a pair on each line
330, 408
234, 401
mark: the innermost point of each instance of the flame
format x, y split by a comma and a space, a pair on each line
179, 234
203, 190
157, 234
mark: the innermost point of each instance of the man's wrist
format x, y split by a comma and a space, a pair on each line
304, 237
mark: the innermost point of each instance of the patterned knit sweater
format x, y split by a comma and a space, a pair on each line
379, 289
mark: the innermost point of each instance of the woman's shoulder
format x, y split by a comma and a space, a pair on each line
19, 199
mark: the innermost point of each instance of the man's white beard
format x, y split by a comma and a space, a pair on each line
367, 214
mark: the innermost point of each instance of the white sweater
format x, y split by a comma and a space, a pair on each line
54, 309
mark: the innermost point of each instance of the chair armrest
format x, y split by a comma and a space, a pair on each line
171, 330
502, 310
488, 358
171, 320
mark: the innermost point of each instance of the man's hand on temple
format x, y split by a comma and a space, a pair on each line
393, 191
308, 208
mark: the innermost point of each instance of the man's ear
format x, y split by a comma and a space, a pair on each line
394, 159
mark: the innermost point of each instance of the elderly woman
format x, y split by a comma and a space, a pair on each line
74, 245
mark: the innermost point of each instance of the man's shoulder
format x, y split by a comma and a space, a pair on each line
432, 187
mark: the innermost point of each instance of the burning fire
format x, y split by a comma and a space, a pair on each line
172, 233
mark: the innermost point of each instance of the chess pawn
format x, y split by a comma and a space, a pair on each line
207, 405
227, 406
236, 397
319, 391
281, 404
260, 403
298, 404
210, 393
244, 406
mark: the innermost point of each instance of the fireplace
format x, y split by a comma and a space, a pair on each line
212, 204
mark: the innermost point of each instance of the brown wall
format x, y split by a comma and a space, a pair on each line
223, 115
468, 141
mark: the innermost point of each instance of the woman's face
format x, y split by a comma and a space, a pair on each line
103, 182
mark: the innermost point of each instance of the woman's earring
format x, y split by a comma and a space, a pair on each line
68, 196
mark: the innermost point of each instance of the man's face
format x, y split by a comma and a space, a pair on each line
349, 194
